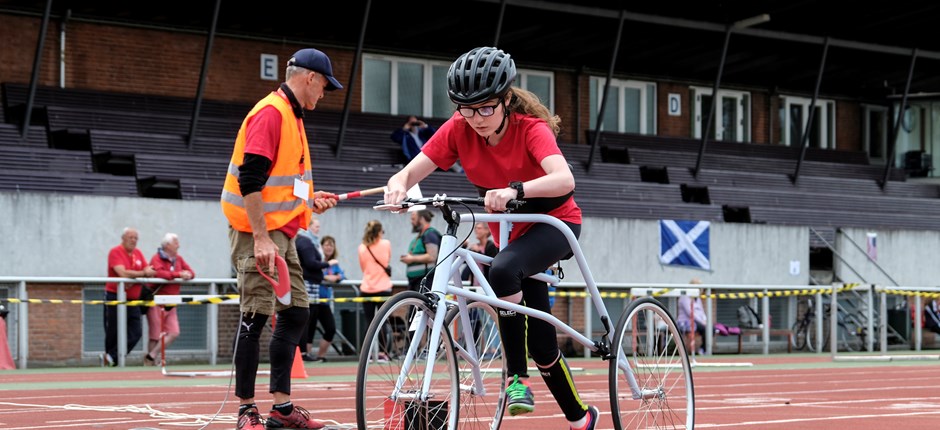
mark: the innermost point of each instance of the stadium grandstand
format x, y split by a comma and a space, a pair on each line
799, 131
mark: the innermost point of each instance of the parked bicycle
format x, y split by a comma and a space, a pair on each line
445, 366
850, 335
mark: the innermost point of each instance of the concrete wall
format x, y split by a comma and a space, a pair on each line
908, 258
70, 235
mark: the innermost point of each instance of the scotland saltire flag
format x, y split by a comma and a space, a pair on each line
684, 243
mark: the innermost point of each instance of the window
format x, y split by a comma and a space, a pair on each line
793, 115
731, 121
541, 84
915, 130
194, 321
630, 106
409, 86
405, 86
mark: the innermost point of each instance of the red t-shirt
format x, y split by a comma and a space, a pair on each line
517, 157
135, 260
263, 135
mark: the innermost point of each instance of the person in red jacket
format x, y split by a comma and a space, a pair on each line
162, 320
124, 261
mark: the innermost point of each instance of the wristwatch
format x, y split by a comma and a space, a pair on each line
516, 185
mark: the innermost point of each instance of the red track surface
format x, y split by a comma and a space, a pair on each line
788, 392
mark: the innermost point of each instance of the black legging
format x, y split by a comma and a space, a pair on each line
287, 331
533, 252
323, 314
369, 308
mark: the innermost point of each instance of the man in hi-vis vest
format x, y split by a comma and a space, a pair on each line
268, 196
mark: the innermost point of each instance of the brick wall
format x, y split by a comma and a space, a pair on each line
849, 130
136, 60
55, 330
760, 121
566, 100
673, 126
167, 63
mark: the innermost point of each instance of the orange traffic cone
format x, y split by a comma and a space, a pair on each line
298, 370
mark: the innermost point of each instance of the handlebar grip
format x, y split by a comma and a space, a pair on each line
515, 204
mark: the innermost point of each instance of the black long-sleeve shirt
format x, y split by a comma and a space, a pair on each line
310, 259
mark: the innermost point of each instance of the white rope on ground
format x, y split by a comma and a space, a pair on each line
197, 419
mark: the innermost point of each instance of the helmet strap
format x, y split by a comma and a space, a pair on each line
503, 122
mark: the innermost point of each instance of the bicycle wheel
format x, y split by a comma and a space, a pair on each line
481, 407
811, 336
799, 330
649, 351
848, 338
382, 363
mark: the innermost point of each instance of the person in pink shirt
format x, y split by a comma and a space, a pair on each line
124, 261
375, 254
162, 320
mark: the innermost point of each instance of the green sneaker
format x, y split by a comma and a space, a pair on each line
521, 400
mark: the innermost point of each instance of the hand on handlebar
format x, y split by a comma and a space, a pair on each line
496, 200
395, 194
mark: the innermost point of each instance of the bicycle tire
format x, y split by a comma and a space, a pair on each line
799, 330
480, 409
658, 362
377, 405
811, 336
847, 337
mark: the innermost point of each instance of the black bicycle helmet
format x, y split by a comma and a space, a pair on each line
479, 75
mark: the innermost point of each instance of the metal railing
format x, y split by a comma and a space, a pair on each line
710, 292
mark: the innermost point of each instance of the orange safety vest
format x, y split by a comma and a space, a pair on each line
280, 205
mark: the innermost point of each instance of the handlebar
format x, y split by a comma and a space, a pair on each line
441, 200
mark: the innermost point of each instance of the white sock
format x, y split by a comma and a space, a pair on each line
580, 423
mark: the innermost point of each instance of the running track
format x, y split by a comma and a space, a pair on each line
794, 391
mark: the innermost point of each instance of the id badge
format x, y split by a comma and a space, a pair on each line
301, 189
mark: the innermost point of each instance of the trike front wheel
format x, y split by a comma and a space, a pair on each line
650, 374
393, 362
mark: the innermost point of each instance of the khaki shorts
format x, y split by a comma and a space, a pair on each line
257, 294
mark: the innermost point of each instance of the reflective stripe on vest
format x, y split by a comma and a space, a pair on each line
279, 204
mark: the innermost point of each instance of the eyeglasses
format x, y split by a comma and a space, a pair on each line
484, 111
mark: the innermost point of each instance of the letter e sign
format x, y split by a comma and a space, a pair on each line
268, 67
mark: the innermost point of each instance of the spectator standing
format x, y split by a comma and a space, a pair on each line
506, 141
422, 251
375, 254
412, 136
267, 197
323, 313
692, 318
124, 261
162, 320
311, 259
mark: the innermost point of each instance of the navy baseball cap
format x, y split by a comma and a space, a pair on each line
316, 60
